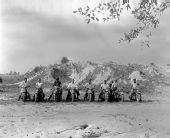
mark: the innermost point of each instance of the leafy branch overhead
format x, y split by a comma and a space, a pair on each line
147, 13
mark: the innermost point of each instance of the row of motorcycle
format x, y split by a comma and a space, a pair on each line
90, 95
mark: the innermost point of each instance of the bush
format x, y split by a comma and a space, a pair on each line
37, 69
1, 80
64, 60
60, 73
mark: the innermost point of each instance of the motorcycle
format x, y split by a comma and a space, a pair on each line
135, 96
108, 96
39, 96
89, 96
73, 95
104, 96
25, 96
57, 94
68, 98
118, 95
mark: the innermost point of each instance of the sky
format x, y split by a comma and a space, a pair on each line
40, 32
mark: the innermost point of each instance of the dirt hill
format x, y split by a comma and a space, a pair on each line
151, 75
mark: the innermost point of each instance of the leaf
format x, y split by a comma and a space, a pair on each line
108, 4
128, 6
111, 11
92, 18
88, 15
88, 21
104, 19
75, 11
80, 9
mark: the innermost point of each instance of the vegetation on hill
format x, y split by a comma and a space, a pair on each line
64, 60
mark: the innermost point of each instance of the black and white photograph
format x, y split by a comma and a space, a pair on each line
84, 68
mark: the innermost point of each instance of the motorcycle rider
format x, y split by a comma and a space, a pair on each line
105, 86
39, 87
57, 83
110, 84
114, 86
73, 89
114, 89
134, 86
104, 90
89, 86
135, 90
24, 85
56, 86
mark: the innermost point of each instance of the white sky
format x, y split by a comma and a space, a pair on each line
34, 32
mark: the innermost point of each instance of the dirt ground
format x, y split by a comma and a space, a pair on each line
149, 119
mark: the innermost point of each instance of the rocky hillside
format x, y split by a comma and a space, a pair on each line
151, 75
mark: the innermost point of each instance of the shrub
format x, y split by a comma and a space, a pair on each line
1, 80
37, 69
64, 60
62, 73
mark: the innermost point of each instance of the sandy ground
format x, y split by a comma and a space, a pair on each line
149, 119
